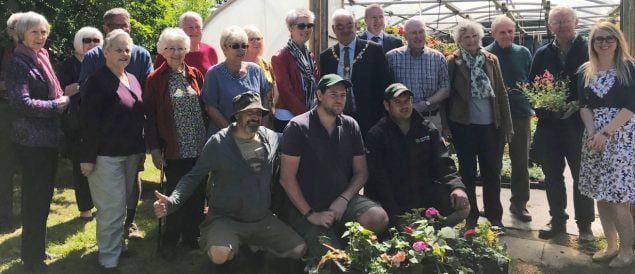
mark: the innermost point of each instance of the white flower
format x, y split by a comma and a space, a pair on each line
447, 233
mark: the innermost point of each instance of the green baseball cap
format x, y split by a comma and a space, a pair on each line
396, 89
330, 80
248, 100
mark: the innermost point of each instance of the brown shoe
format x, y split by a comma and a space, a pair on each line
132, 232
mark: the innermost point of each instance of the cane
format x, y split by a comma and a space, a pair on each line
161, 220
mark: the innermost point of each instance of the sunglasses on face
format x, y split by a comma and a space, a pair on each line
302, 26
604, 39
90, 40
238, 46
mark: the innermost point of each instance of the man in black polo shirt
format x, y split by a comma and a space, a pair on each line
323, 167
408, 163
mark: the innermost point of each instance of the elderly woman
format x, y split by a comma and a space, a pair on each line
68, 74
112, 145
175, 132
8, 166
295, 70
607, 103
256, 49
201, 55
476, 115
230, 78
37, 100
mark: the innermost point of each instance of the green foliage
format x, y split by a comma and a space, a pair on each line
545, 92
149, 18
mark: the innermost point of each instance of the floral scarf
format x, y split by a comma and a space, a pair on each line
480, 83
305, 64
41, 59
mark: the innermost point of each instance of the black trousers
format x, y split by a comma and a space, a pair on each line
80, 182
554, 145
185, 221
8, 167
38, 166
480, 144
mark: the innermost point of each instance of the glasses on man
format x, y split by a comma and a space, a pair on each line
255, 39
302, 26
604, 39
118, 26
173, 50
90, 40
238, 46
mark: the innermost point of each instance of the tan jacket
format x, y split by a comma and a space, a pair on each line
457, 108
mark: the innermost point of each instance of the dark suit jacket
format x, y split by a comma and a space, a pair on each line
370, 78
390, 42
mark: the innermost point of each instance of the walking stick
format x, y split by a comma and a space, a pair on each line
161, 220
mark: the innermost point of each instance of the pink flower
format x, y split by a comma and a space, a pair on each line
401, 29
431, 212
409, 230
469, 232
398, 259
420, 246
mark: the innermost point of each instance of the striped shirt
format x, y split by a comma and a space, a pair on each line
424, 75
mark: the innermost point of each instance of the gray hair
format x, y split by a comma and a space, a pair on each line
342, 12
372, 6
86, 32
563, 9
232, 34
499, 19
173, 34
294, 14
111, 13
464, 26
415, 19
190, 14
114, 35
27, 21
13, 19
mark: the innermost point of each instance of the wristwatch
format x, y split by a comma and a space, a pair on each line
427, 103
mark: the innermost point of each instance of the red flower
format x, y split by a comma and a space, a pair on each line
408, 229
469, 232
401, 29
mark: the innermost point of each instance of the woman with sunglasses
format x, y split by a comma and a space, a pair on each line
230, 78
607, 103
68, 74
295, 70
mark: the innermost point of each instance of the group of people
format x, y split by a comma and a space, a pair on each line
371, 116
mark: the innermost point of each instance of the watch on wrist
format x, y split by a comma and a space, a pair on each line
307, 214
427, 103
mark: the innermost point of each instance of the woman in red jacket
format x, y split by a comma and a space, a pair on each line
295, 70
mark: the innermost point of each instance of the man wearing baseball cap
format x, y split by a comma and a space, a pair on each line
323, 167
240, 158
408, 163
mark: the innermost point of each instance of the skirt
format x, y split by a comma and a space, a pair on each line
609, 175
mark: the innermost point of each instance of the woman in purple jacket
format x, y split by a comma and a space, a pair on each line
36, 98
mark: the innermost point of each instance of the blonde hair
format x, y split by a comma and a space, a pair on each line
253, 30
622, 56
233, 34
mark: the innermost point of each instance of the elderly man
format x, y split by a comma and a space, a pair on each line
201, 56
140, 66
408, 163
323, 167
362, 63
375, 23
241, 160
515, 61
423, 70
560, 138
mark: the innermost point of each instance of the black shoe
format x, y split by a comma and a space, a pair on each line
470, 223
586, 235
552, 229
499, 224
520, 213
191, 243
168, 253
127, 253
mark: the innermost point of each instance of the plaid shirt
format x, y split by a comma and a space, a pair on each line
424, 75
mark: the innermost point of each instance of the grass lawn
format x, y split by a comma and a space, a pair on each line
74, 239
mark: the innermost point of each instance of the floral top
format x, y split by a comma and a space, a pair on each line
188, 117
601, 83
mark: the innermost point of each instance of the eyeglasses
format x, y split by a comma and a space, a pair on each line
257, 39
90, 40
175, 49
563, 22
606, 39
302, 26
238, 46
118, 26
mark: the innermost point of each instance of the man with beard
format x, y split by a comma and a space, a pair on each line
375, 23
241, 160
323, 167
408, 163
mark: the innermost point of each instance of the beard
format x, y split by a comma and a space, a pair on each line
331, 110
252, 126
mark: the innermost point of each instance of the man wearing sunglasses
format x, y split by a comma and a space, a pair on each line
361, 62
559, 138
375, 23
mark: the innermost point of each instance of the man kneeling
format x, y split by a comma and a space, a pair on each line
241, 159
409, 166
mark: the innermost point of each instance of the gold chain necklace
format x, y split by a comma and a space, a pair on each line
357, 58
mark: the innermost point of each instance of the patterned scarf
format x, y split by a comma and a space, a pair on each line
481, 86
305, 65
41, 59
